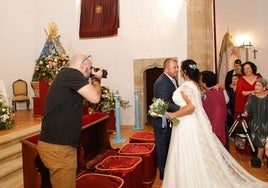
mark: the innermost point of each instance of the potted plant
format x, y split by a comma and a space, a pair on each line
107, 105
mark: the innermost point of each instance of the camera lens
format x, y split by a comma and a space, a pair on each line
104, 72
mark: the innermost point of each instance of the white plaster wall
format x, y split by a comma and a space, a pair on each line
148, 29
17, 41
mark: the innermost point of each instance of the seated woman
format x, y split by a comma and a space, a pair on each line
214, 104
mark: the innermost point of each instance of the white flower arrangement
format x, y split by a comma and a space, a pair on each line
6, 115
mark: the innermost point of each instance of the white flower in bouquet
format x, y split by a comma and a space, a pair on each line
159, 109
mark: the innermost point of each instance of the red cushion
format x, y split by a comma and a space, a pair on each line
147, 152
142, 136
93, 180
129, 168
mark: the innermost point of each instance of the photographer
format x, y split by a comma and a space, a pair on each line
61, 126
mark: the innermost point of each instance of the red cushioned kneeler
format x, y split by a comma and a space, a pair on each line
94, 180
142, 137
147, 152
129, 168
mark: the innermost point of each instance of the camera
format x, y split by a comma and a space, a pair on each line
104, 72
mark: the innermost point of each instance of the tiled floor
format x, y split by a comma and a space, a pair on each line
26, 119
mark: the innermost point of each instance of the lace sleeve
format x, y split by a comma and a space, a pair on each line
189, 91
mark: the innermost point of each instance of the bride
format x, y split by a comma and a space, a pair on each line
196, 157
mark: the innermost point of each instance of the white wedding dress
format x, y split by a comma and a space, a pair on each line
196, 157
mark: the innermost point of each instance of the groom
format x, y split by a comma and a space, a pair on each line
164, 87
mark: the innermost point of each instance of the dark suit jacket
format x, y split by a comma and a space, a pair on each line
164, 88
228, 80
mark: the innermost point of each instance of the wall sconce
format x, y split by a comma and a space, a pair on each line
247, 47
246, 44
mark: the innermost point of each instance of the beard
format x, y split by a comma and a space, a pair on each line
86, 74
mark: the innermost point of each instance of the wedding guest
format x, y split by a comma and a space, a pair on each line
245, 86
229, 87
214, 104
256, 110
163, 88
196, 157
236, 70
61, 125
231, 103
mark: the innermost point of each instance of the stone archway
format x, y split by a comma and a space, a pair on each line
140, 66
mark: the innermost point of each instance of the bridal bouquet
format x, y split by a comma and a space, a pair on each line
159, 109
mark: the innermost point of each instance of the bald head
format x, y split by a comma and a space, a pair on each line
77, 60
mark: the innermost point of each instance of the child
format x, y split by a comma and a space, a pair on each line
230, 105
256, 110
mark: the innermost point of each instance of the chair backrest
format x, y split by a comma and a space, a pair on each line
20, 87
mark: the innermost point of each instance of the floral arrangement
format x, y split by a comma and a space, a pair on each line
47, 68
107, 101
159, 109
6, 115
53, 57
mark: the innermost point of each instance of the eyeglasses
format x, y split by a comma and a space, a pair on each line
89, 56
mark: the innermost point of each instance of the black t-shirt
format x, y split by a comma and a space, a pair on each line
63, 109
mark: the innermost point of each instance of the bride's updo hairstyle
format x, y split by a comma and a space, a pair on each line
190, 68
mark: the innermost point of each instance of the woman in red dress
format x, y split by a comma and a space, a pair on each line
245, 86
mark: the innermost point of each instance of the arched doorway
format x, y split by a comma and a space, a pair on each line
140, 66
151, 76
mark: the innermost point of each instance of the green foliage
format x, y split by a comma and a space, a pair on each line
107, 102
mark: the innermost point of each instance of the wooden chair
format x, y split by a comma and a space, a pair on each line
20, 92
